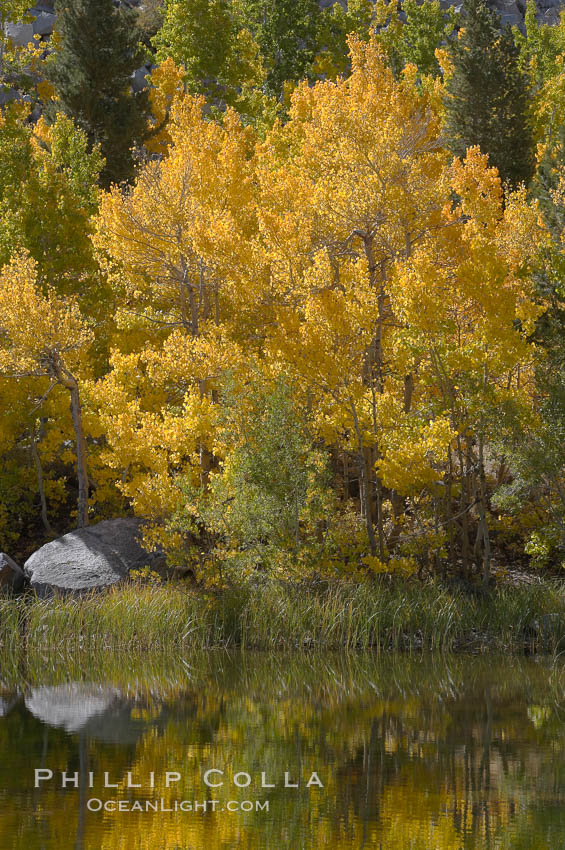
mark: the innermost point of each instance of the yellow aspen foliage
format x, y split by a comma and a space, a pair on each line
346, 254
166, 246
167, 238
167, 84
44, 336
352, 185
40, 333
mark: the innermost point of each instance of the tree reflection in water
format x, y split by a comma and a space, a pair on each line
423, 753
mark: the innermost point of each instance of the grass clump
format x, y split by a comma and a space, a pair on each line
274, 615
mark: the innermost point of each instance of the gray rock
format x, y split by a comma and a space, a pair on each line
21, 34
511, 19
70, 707
139, 79
44, 23
43, 6
551, 17
89, 558
7, 95
35, 114
12, 576
93, 710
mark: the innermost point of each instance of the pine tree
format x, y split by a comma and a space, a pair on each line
486, 100
91, 70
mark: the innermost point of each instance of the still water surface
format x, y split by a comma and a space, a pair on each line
419, 753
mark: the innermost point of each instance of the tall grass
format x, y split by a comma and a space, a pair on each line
279, 616
403, 616
144, 617
11, 613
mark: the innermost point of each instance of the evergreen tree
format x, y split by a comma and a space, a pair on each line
98, 49
487, 99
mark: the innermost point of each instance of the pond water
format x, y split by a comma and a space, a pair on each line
388, 752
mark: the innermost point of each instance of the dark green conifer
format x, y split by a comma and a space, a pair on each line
487, 95
98, 50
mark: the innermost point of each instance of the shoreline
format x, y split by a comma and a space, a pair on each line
340, 616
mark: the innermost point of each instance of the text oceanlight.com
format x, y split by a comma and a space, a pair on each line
94, 804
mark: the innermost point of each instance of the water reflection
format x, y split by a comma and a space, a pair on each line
413, 753
94, 711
